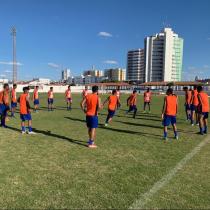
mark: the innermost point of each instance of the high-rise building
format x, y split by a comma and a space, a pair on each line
117, 74
66, 73
135, 65
163, 56
93, 73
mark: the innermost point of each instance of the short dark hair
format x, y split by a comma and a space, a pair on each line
6, 85
134, 91
148, 89
185, 88
199, 88
25, 88
37, 86
169, 91
95, 89
51, 88
195, 87
113, 92
69, 86
14, 85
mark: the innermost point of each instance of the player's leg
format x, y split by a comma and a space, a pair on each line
206, 123
173, 122
192, 116
144, 107
23, 127
166, 123
135, 111
201, 123
165, 133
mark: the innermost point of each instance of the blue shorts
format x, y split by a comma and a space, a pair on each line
205, 115
188, 106
92, 121
25, 117
68, 99
13, 104
50, 100
3, 109
132, 108
194, 108
36, 101
168, 119
111, 113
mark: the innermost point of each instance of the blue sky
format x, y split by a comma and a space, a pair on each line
56, 33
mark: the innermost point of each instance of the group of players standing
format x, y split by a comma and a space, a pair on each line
196, 103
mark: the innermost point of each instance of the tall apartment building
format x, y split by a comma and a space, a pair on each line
93, 73
163, 56
135, 65
66, 73
117, 74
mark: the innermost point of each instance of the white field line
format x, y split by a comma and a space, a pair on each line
146, 197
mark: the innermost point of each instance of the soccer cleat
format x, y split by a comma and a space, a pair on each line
192, 125
92, 146
31, 133
23, 132
165, 138
106, 124
176, 137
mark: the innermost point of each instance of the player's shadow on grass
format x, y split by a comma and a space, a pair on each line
140, 124
128, 131
48, 133
75, 119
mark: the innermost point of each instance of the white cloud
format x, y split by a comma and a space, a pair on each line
53, 65
10, 63
208, 38
206, 66
110, 62
2, 75
104, 34
191, 68
7, 71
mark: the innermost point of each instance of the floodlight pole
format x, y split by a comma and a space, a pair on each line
14, 55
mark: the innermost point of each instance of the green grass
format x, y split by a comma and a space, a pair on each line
55, 169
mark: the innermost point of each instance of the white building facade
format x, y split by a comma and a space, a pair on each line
163, 57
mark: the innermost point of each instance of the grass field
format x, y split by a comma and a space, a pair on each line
55, 169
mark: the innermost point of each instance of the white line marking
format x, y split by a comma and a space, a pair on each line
146, 197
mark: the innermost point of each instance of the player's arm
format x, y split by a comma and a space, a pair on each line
164, 108
176, 104
128, 100
105, 101
82, 104
100, 106
28, 103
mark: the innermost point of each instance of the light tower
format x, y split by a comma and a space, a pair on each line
13, 33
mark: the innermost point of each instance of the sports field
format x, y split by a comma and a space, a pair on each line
55, 169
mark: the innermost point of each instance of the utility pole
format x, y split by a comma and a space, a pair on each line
13, 33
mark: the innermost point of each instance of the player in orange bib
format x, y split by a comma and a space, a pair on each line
188, 100
91, 105
194, 106
25, 112
169, 113
36, 98
50, 99
4, 104
132, 102
68, 98
113, 101
13, 97
147, 99
203, 110
85, 92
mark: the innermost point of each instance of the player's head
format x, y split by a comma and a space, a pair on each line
114, 92
14, 86
200, 88
25, 89
185, 88
86, 88
37, 87
51, 88
6, 86
69, 87
134, 91
169, 91
118, 88
195, 87
95, 89
148, 89
190, 89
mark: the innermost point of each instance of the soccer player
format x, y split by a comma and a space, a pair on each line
132, 102
91, 105
194, 106
169, 113
68, 98
85, 92
203, 110
147, 99
188, 99
50, 99
13, 97
4, 104
118, 96
36, 98
25, 113
113, 101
